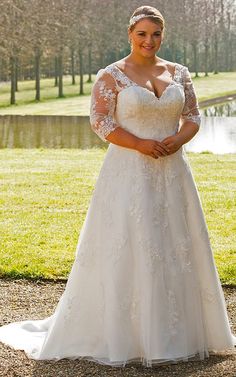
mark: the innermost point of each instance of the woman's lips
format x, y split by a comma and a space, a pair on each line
148, 48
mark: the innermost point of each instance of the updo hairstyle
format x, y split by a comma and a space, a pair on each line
146, 12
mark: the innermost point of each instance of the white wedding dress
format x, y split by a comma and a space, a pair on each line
143, 286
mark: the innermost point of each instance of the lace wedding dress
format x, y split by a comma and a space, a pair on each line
143, 286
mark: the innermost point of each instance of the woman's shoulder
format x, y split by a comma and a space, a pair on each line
171, 66
115, 72
105, 73
109, 69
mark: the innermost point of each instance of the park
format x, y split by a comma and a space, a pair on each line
47, 179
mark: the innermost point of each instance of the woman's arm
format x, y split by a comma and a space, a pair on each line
190, 117
150, 147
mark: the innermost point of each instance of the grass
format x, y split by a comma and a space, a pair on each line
73, 104
216, 180
45, 196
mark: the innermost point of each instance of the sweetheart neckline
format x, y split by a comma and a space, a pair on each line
143, 87
149, 91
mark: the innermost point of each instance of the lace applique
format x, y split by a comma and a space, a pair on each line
208, 295
153, 255
173, 313
178, 73
69, 302
103, 103
120, 77
86, 253
117, 249
160, 215
182, 250
191, 109
109, 82
128, 306
136, 211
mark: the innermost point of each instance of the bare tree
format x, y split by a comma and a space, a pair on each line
77, 36
13, 38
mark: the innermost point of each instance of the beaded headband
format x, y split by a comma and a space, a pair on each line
135, 19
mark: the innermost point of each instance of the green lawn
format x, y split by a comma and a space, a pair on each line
46, 192
73, 104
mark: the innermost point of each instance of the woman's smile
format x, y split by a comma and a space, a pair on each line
148, 48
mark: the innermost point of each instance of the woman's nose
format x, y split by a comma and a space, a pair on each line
149, 39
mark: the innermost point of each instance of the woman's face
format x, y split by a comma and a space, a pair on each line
146, 38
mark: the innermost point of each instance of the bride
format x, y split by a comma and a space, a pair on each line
143, 286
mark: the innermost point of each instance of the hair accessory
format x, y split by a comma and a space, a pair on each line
134, 19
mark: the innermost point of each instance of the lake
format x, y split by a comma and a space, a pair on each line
217, 133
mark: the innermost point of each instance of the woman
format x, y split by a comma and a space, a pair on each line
143, 286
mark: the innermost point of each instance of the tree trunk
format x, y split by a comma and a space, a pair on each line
101, 59
207, 32
231, 60
16, 74
81, 83
216, 55
56, 71
195, 58
215, 38
90, 64
37, 75
227, 43
206, 54
60, 75
13, 81
73, 66
185, 53
173, 51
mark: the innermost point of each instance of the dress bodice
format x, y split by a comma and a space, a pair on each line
117, 101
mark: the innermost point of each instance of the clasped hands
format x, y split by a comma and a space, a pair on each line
156, 149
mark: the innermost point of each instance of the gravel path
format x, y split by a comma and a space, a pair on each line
22, 299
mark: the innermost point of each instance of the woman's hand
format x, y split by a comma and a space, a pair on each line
153, 148
173, 143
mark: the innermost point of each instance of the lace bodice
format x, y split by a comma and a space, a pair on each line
109, 109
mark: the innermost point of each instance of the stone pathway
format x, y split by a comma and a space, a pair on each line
23, 299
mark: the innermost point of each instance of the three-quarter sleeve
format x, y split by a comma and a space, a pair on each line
191, 109
103, 104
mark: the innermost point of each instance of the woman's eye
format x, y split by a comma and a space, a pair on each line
155, 34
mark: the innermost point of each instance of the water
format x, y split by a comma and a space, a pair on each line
217, 134
227, 109
47, 132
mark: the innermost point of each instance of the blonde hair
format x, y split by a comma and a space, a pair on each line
149, 12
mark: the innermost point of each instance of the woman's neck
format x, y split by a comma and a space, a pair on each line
142, 60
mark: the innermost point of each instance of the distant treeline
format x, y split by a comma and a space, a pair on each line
51, 38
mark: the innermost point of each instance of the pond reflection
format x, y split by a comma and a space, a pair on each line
216, 134
40, 131
227, 109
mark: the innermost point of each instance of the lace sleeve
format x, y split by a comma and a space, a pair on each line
191, 110
103, 104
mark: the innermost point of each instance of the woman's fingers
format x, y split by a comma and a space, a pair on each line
163, 146
154, 155
162, 149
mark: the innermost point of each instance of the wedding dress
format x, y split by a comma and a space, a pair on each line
143, 286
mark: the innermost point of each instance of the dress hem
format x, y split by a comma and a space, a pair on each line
198, 356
